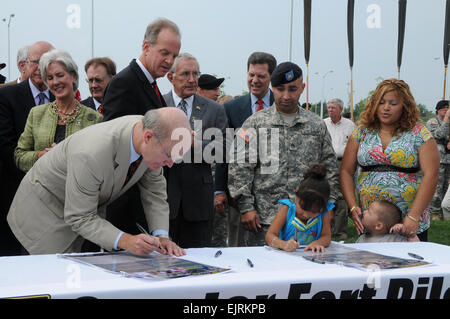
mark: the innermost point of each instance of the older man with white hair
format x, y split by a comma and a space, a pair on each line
340, 130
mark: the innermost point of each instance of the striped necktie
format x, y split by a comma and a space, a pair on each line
100, 109
132, 169
182, 106
42, 98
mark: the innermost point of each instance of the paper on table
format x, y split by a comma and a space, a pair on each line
153, 265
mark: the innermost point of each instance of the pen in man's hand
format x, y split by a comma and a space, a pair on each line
250, 263
218, 253
142, 229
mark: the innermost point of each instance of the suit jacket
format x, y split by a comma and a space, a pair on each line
237, 110
15, 104
8, 83
129, 92
190, 185
40, 132
65, 193
89, 102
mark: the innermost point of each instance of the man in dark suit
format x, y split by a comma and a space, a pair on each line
99, 72
22, 55
2, 78
15, 104
260, 66
133, 91
189, 183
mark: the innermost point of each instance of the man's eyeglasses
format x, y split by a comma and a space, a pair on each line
187, 75
33, 61
92, 80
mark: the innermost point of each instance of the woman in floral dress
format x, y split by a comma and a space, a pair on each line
398, 157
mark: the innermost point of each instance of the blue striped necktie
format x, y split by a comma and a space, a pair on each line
42, 98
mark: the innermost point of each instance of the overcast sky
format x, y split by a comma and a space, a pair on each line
222, 34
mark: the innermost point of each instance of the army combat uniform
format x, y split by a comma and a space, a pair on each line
272, 152
441, 132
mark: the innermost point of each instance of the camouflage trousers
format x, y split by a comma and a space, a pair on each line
227, 229
340, 220
446, 205
220, 229
256, 239
441, 189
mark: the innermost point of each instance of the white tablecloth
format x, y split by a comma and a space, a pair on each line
275, 274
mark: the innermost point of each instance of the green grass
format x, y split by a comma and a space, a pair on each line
439, 232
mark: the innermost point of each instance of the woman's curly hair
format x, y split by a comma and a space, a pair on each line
410, 111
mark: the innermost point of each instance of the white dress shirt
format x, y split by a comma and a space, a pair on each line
147, 74
265, 99
339, 132
35, 92
189, 102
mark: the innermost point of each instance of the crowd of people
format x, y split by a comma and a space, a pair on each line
84, 175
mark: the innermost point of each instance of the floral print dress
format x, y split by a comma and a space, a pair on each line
397, 187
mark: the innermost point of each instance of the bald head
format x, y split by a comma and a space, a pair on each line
32, 66
164, 121
163, 136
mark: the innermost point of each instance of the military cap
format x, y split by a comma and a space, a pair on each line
284, 73
441, 104
209, 82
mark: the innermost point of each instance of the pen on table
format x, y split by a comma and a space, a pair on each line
250, 263
142, 229
218, 253
415, 256
317, 261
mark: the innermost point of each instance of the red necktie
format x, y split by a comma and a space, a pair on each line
100, 109
260, 105
132, 169
155, 87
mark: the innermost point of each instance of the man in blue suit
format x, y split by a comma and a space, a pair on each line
260, 66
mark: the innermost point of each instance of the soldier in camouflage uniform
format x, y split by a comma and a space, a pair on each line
272, 151
220, 223
439, 127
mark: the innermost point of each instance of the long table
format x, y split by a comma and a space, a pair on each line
275, 275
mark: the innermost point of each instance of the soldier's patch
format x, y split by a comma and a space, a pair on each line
245, 135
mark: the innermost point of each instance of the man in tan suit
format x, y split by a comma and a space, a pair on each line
62, 199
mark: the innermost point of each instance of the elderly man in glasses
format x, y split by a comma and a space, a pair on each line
99, 72
189, 183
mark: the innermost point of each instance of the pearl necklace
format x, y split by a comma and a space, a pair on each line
64, 117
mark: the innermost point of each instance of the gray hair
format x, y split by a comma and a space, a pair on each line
64, 59
152, 121
337, 101
183, 56
22, 54
154, 28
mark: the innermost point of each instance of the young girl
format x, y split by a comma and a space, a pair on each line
307, 222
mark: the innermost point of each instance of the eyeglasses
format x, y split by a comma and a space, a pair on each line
92, 80
187, 75
33, 61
